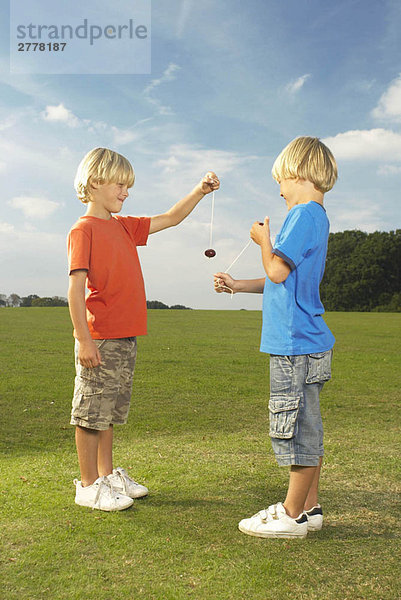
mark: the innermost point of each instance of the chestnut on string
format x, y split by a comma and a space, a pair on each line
210, 253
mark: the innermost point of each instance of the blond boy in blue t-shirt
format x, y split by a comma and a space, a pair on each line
294, 333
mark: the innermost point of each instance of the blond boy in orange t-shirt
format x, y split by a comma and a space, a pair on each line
103, 257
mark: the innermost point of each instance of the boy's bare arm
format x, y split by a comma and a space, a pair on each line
223, 282
276, 268
88, 354
184, 207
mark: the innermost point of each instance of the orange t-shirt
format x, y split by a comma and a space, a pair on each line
116, 302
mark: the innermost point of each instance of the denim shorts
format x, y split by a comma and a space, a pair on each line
296, 428
102, 395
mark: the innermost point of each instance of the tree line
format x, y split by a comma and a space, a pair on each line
363, 273
15, 301
158, 304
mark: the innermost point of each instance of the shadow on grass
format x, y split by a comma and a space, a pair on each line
371, 525
333, 531
183, 504
196, 507
36, 440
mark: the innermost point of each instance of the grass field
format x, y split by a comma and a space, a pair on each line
197, 437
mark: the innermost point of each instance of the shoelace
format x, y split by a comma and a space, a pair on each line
125, 479
121, 476
104, 483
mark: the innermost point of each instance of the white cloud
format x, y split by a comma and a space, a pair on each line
169, 165
371, 144
389, 106
389, 170
123, 136
169, 74
183, 17
62, 114
201, 159
36, 160
119, 137
32, 262
185, 165
294, 86
6, 228
34, 207
27, 241
355, 212
9, 122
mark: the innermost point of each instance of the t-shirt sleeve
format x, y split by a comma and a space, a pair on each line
78, 246
296, 238
138, 228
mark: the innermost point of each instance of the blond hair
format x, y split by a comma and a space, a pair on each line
307, 158
102, 165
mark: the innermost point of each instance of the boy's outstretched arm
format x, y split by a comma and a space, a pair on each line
179, 211
223, 282
276, 268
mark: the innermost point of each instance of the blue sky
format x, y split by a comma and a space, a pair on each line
231, 84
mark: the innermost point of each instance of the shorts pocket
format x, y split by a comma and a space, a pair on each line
319, 367
87, 401
283, 412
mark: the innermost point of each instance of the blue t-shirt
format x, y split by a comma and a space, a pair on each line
292, 310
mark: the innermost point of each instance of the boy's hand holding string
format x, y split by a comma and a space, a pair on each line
275, 267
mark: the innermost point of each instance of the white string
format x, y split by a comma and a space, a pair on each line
211, 244
225, 287
211, 223
235, 259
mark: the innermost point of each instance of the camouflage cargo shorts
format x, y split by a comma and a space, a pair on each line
102, 395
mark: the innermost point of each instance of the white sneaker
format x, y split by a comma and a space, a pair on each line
273, 522
122, 483
101, 495
315, 518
